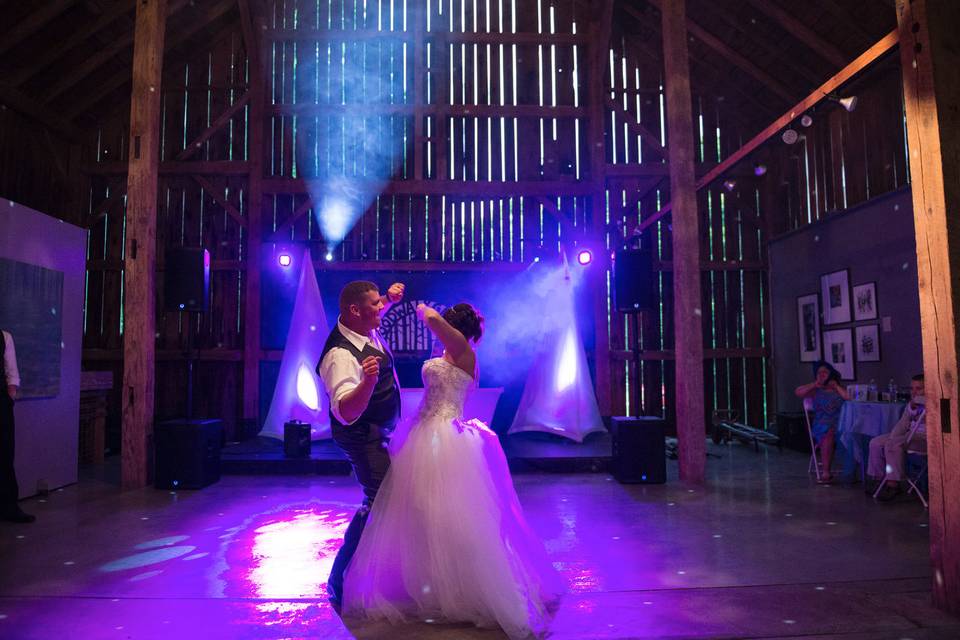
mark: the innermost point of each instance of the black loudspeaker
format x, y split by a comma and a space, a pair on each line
634, 285
186, 280
187, 453
639, 450
296, 439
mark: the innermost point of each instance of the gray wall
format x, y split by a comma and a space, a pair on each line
874, 242
48, 428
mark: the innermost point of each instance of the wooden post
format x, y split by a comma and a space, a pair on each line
931, 87
252, 32
687, 309
597, 153
141, 245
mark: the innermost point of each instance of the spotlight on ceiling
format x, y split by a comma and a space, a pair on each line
729, 184
285, 260
806, 120
849, 103
790, 136
759, 169
585, 257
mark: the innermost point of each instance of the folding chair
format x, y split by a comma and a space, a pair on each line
912, 481
815, 465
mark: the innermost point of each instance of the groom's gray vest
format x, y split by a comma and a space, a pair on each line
383, 411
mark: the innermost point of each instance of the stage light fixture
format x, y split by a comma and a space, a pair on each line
759, 169
585, 257
285, 259
790, 136
329, 256
849, 103
729, 184
806, 120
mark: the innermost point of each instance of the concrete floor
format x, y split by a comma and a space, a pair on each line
760, 553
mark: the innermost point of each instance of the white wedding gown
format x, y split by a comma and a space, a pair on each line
446, 539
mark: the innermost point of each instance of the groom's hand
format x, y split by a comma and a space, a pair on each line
395, 292
371, 368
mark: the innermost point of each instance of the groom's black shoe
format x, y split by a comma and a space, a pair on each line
16, 514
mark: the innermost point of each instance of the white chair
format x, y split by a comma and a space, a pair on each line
815, 465
912, 481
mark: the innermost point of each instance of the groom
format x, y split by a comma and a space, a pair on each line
357, 370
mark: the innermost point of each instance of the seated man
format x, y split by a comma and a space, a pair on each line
888, 451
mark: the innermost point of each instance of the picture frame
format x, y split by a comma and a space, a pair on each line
865, 301
838, 351
868, 343
835, 297
808, 327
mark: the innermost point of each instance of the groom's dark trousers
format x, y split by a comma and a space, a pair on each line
364, 443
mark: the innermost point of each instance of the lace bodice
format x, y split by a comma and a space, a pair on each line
445, 389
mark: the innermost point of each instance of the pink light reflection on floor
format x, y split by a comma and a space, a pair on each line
286, 554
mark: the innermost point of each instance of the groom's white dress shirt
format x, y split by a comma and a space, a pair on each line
10, 361
340, 371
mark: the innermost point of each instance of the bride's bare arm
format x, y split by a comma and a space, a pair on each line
453, 341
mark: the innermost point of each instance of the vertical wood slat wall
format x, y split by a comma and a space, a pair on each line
476, 129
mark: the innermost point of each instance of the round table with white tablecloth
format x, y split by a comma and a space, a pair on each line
859, 422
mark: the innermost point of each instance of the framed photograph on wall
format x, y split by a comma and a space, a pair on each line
835, 293
865, 301
838, 351
868, 343
808, 321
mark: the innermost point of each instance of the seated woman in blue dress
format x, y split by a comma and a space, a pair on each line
828, 396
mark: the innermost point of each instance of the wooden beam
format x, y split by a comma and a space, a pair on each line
439, 110
119, 80
254, 236
298, 213
206, 168
733, 57
931, 85
215, 126
867, 58
13, 98
708, 68
40, 14
139, 341
218, 197
451, 188
801, 32
638, 129
420, 266
469, 37
51, 54
96, 61
251, 40
687, 308
596, 150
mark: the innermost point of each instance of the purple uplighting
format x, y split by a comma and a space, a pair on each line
285, 260
585, 257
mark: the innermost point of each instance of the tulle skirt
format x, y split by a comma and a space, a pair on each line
447, 540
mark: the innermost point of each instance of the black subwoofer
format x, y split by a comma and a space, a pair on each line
187, 453
639, 450
296, 439
634, 281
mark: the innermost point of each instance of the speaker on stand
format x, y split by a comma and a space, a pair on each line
187, 450
639, 449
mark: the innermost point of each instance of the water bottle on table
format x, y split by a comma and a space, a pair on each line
872, 390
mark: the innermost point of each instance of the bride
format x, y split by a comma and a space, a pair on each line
447, 540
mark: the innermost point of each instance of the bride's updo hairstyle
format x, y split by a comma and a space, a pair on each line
465, 319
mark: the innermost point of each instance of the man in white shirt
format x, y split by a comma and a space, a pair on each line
888, 451
10, 377
357, 370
